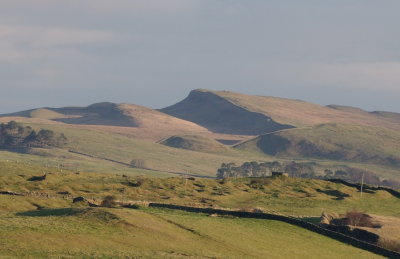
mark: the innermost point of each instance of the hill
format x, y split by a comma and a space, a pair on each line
332, 141
95, 114
220, 115
195, 143
224, 111
95, 149
302, 114
127, 119
108, 136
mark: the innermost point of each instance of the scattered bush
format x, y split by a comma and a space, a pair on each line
136, 183
109, 201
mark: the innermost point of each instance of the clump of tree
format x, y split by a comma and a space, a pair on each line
264, 169
15, 136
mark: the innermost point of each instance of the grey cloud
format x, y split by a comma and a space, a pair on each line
153, 52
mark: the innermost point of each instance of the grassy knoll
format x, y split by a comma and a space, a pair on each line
195, 143
292, 196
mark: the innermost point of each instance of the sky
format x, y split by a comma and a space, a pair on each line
57, 53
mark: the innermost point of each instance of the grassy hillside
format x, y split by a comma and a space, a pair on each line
100, 144
220, 115
126, 119
334, 142
137, 132
291, 196
115, 233
62, 229
301, 114
116, 146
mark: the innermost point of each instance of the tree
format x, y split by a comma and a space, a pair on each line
138, 163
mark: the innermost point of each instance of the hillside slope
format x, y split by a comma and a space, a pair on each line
219, 115
127, 119
332, 141
195, 143
250, 114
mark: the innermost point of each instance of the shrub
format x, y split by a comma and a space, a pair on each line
224, 180
109, 201
358, 219
136, 183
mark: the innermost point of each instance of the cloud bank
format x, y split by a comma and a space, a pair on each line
55, 53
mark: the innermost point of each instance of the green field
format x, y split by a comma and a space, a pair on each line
290, 196
161, 158
46, 224
123, 148
150, 233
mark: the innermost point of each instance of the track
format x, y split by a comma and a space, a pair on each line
142, 168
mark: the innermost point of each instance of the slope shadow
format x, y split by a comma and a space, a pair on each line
337, 195
50, 212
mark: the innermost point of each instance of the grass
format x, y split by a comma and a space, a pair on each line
151, 233
124, 148
209, 154
299, 197
303, 114
46, 224
349, 143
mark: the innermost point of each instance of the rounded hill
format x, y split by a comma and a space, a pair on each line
195, 143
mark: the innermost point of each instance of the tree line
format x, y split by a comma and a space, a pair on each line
302, 170
16, 136
263, 169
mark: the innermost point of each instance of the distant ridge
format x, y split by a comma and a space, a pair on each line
331, 141
208, 108
104, 113
219, 115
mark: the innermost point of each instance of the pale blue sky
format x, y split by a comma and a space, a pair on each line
153, 52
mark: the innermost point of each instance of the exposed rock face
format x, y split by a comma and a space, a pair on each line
219, 115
